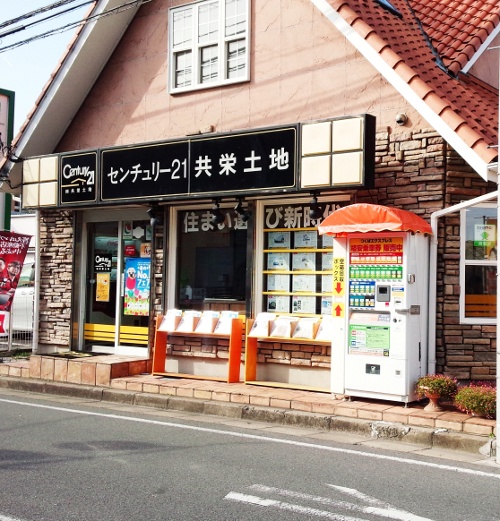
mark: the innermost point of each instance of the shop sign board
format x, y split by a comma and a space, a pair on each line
250, 161
77, 178
245, 161
145, 171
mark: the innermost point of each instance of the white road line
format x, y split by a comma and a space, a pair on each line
261, 438
254, 500
359, 495
7, 518
378, 508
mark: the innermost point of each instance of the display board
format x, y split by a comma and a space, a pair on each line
297, 271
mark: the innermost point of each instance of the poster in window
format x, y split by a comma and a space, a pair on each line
327, 241
278, 303
327, 261
102, 287
326, 283
306, 283
304, 261
145, 250
278, 240
278, 283
326, 306
137, 285
278, 261
306, 239
127, 229
485, 235
304, 304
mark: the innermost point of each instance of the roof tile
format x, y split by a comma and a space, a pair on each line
456, 30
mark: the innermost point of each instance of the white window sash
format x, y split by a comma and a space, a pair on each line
464, 263
195, 47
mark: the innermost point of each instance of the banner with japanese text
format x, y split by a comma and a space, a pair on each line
13, 249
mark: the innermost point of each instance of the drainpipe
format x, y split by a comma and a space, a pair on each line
497, 425
431, 367
431, 363
36, 296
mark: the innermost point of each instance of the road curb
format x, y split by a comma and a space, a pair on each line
440, 438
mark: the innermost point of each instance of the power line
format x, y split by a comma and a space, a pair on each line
36, 12
55, 15
116, 10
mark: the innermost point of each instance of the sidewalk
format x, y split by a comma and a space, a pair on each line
128, 380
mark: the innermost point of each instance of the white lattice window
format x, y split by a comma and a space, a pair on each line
208, 44
478, 266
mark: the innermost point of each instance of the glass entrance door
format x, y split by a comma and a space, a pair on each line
117, 286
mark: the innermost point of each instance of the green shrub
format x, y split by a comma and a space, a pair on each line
444, 386
478, 399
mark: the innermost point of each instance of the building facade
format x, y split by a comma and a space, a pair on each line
202, 141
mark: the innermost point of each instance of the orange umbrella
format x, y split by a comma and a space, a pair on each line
364, 217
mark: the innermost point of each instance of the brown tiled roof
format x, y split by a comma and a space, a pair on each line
468, 106
457, 28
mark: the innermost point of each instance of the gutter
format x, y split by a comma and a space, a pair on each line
431, 360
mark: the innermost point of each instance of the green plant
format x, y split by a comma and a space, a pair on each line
21, 355
479, 399
440, 384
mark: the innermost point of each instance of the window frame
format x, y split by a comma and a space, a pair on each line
173, 266
221, 43
464, 263
259, 285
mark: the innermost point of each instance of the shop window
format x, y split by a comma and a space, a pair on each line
211, 261
478, 265
297, 264
209, 44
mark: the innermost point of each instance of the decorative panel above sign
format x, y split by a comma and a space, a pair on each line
338, 153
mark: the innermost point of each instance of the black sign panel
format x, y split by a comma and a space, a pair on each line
145, 171
103, 262
256, 160
247, 161
78, 178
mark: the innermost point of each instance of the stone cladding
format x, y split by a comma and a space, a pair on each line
418, 171
56, 278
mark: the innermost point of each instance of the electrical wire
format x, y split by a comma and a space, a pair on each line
71, 25
41, 20
36, 12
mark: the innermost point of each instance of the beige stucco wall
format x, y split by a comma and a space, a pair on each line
301, 69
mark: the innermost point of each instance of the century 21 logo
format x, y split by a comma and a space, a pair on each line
82, 174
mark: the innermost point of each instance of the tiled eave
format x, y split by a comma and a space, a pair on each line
463, 110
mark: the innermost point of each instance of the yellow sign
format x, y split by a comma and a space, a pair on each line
338, 276
338, 309
102, 287
376, 250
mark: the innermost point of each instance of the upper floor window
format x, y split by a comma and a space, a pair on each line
478, 270
208, 44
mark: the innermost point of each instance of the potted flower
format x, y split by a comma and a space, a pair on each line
435, 387
479, 399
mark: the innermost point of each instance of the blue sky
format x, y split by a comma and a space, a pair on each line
26, 69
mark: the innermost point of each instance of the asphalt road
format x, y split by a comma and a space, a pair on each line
63, 459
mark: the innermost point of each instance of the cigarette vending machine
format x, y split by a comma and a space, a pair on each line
383, 324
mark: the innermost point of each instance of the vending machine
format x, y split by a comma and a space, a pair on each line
381, 316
